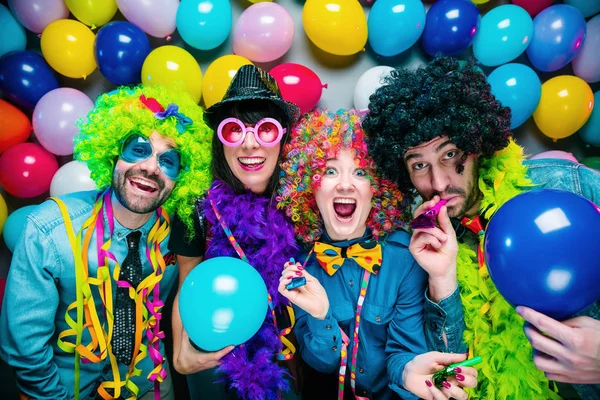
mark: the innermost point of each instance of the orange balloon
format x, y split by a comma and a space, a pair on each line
14, 126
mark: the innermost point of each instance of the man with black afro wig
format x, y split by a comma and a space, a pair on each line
439, 132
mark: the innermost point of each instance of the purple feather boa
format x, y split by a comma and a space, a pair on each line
267, 238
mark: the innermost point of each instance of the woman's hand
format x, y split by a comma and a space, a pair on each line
311, 297
417, 376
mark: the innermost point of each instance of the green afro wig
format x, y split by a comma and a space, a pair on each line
445, 97
119, 113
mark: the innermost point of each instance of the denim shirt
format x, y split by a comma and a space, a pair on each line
391, 324
544, 173
40, 287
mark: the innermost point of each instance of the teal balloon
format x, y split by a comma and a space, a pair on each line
504, 34
395, 25
223, 301
12, 34
204, 24
592, 162
587, 7
14, 226
590, 132
516, 86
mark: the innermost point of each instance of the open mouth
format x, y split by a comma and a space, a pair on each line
143, 185
344, 208
251, 163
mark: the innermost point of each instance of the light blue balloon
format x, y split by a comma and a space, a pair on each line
14, 225
590, 132
518, 87
587, 7
395, 25
204, 24
12, 34
223, 301
504, 34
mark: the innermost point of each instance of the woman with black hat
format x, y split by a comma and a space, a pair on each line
251, 125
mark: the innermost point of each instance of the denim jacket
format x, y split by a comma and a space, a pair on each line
40, 287
544, 173
391, 324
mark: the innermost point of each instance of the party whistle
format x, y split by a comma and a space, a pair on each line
427, 219
442, 375
296, 283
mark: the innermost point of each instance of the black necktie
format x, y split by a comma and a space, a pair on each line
124, 330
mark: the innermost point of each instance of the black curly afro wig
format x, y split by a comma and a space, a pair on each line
445, 97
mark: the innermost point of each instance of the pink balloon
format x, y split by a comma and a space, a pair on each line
559, 154
299, 85
264, 32
55, 117
533, 7
36, 15
26, 170
155, 17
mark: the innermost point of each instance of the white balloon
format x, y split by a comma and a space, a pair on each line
367, 84
72, 177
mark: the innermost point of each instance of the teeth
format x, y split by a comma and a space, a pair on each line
144, 182
344, 201
252, 161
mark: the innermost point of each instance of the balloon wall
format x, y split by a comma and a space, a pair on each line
57, 56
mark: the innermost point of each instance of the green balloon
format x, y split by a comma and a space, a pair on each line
592, 162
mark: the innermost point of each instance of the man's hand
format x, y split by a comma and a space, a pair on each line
567, 351
436, 249
189, 360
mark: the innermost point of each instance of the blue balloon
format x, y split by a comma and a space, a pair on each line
590, 132
204, 24
518, 87
395, 25
541, 249
558, 33
503, 35
12, 34
25, 77
120, 49
587, 7
223, 301
14, 226
450, 27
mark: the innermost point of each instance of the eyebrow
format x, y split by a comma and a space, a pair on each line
436, 150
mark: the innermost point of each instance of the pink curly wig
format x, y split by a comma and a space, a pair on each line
317, 137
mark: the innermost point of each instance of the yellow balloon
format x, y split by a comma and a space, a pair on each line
93, 12
167, 65
336, 26
219, 75
258, 1
480, 1
3, 212
565, 106
68, 46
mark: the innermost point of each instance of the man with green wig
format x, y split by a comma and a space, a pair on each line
91, 272
440, 132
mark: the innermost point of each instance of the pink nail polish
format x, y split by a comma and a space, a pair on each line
460, 377
446, 384
300, 267
428, 383
457, 370
299, 273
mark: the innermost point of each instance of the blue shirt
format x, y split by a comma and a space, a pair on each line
391, 327
544, 173
40, 287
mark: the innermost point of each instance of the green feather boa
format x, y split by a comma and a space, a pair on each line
494, 330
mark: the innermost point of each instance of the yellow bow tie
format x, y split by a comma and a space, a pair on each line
366, 254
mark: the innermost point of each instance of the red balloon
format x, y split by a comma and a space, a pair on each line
26, 170
533, 7
299, 85
14, 126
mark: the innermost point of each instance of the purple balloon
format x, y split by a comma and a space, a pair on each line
155, 17
55, 117
36, 15
263, 33
586, 64
558, 33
